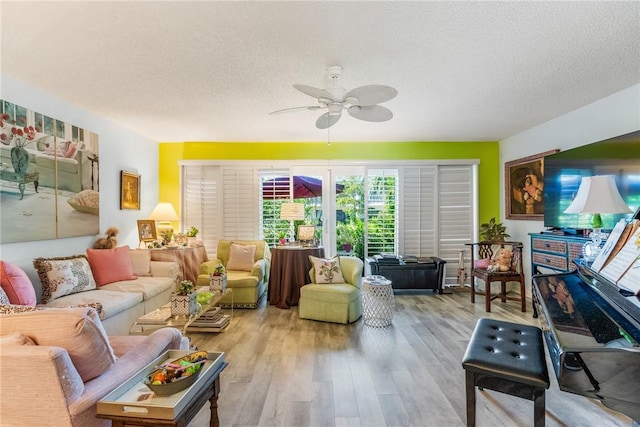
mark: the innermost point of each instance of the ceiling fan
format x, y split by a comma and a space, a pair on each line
361, 102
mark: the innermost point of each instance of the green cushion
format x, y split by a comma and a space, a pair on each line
337, 293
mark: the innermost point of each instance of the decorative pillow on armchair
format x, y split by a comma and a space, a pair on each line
63, 276
241, 257
327, 270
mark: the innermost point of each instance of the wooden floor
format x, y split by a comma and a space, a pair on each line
285, 371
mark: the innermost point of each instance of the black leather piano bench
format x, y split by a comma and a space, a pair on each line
509, 358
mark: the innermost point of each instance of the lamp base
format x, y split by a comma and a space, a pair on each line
591, 250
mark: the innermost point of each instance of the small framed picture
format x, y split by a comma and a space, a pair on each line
306, 233
524, 187
129, 190
147, 230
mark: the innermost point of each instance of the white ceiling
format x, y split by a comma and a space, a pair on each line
212, 71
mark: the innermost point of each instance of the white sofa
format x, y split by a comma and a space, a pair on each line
125, 301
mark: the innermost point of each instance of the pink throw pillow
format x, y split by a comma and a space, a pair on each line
16, 285
110, 265
482, 264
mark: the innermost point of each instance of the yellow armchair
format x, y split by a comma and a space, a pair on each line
248, 285
334, 302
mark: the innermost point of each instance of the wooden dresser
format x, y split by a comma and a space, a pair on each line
555, 252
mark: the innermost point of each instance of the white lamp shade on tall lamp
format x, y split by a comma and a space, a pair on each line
598, 194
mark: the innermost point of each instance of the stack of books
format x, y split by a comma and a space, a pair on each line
211, 321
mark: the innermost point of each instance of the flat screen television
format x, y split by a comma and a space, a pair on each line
563, 171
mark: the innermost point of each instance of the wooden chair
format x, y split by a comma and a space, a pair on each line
486, 251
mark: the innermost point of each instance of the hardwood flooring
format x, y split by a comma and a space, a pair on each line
286, 371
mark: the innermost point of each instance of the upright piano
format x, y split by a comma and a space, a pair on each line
592, 333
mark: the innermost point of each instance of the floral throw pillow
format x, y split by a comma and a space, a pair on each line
326, 270
63, 276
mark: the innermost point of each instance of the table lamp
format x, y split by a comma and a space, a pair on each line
597, 195
164, 213
292, 211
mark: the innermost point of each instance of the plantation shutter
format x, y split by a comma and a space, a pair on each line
275, 189
419, 211
201, 204
456, 210
241, 210
381, 211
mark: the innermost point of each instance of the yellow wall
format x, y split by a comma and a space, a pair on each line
487, 152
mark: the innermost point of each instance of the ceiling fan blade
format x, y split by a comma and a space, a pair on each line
313, 91
327, 120
372, 94
289, 110
371, 113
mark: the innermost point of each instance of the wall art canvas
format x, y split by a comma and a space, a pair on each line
48, 177
524, 187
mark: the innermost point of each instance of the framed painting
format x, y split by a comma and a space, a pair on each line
524, 187
129, 190
147, 230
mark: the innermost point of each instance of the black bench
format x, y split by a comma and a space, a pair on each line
509, 358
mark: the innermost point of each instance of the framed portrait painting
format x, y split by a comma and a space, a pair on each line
524, 187
147, 230
129, 190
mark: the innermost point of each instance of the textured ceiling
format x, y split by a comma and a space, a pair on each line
212, 71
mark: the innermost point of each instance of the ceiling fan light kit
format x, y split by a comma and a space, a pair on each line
361, 102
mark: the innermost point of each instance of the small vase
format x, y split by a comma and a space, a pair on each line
19, 159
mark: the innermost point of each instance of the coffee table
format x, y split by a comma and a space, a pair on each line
133, 404
162, 318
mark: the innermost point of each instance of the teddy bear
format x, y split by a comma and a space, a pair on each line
109, 240
502, 260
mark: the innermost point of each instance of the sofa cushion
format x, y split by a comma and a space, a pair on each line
241, 257
112, 302
329, 293
326, 270
147, 286
16, 284
77, 330
140, 261
110, 265
16, 338
63, 276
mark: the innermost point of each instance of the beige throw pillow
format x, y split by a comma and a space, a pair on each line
140, 261
327, 270
241, 257
64, 276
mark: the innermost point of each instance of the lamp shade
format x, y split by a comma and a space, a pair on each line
164, 212
292, 211
597, 195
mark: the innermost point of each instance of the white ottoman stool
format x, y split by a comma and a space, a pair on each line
377, 301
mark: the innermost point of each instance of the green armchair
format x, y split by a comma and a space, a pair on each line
335, 302
248, 284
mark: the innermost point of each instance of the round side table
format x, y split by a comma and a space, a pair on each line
377, 301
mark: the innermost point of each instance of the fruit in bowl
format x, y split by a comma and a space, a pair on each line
204, 297
176, 375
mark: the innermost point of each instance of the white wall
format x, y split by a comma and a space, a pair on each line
617, 114
120, 149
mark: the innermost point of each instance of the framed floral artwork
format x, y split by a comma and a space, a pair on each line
524, 187
129, 190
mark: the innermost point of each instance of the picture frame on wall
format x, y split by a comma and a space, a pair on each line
524, 187
129, 190
147, 230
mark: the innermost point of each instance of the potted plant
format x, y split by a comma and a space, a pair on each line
493, 231
218, 279
183, 300
192, 233
282, 235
